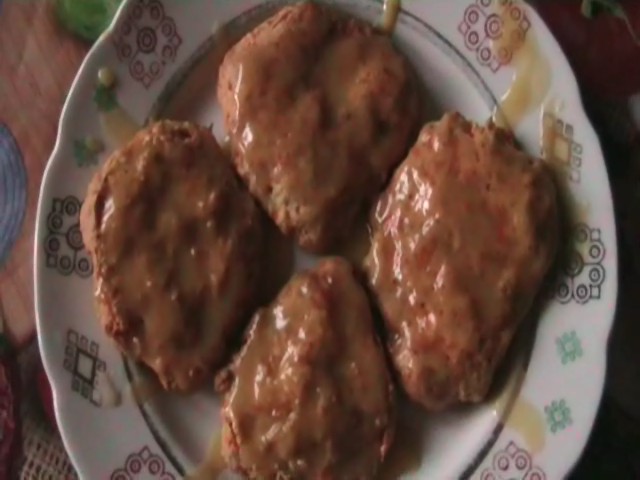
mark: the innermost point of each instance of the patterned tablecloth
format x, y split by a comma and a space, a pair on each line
38, 61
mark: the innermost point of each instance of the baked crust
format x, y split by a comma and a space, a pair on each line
462, 239
176, 244
319, 109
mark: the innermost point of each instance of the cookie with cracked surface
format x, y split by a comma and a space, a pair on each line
176, 242
462, 239
310, 396
320, 108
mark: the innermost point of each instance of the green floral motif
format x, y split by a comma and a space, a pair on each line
569, 347
83, 154
558, 415
105, 98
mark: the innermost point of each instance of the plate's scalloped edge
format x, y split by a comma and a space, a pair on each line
166, 449
63, 133
589, 137
564, 464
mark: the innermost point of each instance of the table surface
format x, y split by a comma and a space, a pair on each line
38, 60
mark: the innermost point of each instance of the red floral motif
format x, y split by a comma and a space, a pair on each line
147, 41
482, 25
143, 465
512, 463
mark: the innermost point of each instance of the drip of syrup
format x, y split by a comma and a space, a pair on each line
518, 413
213, 465
143, 389
109, 395
391, 10
532, 73
118, 126
405, 455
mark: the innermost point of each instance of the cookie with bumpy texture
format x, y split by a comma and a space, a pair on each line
462, 239
320, 108
176, 243
310, 396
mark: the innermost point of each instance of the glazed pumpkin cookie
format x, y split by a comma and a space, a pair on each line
309, 396
462, 240
320, 107
177, 246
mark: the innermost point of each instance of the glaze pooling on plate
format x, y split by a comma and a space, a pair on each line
450, 43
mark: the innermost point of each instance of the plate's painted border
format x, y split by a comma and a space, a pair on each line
155, 431
139, 456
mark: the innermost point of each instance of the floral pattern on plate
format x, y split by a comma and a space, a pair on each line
147, 41
481, 25
584, 272
143, 465
513, 463
63, 245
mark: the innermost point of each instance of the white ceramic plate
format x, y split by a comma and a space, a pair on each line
163, 53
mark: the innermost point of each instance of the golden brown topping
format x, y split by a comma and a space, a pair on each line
462, 239
311, 397
320, 108
176, 243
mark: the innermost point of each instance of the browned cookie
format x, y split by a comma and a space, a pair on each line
319, 108
462, 239
176, 242
309, 396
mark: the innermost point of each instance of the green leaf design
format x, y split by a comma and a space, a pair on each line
86, 18
82, 154
105, 98
569, 347
593, 8
558, 415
